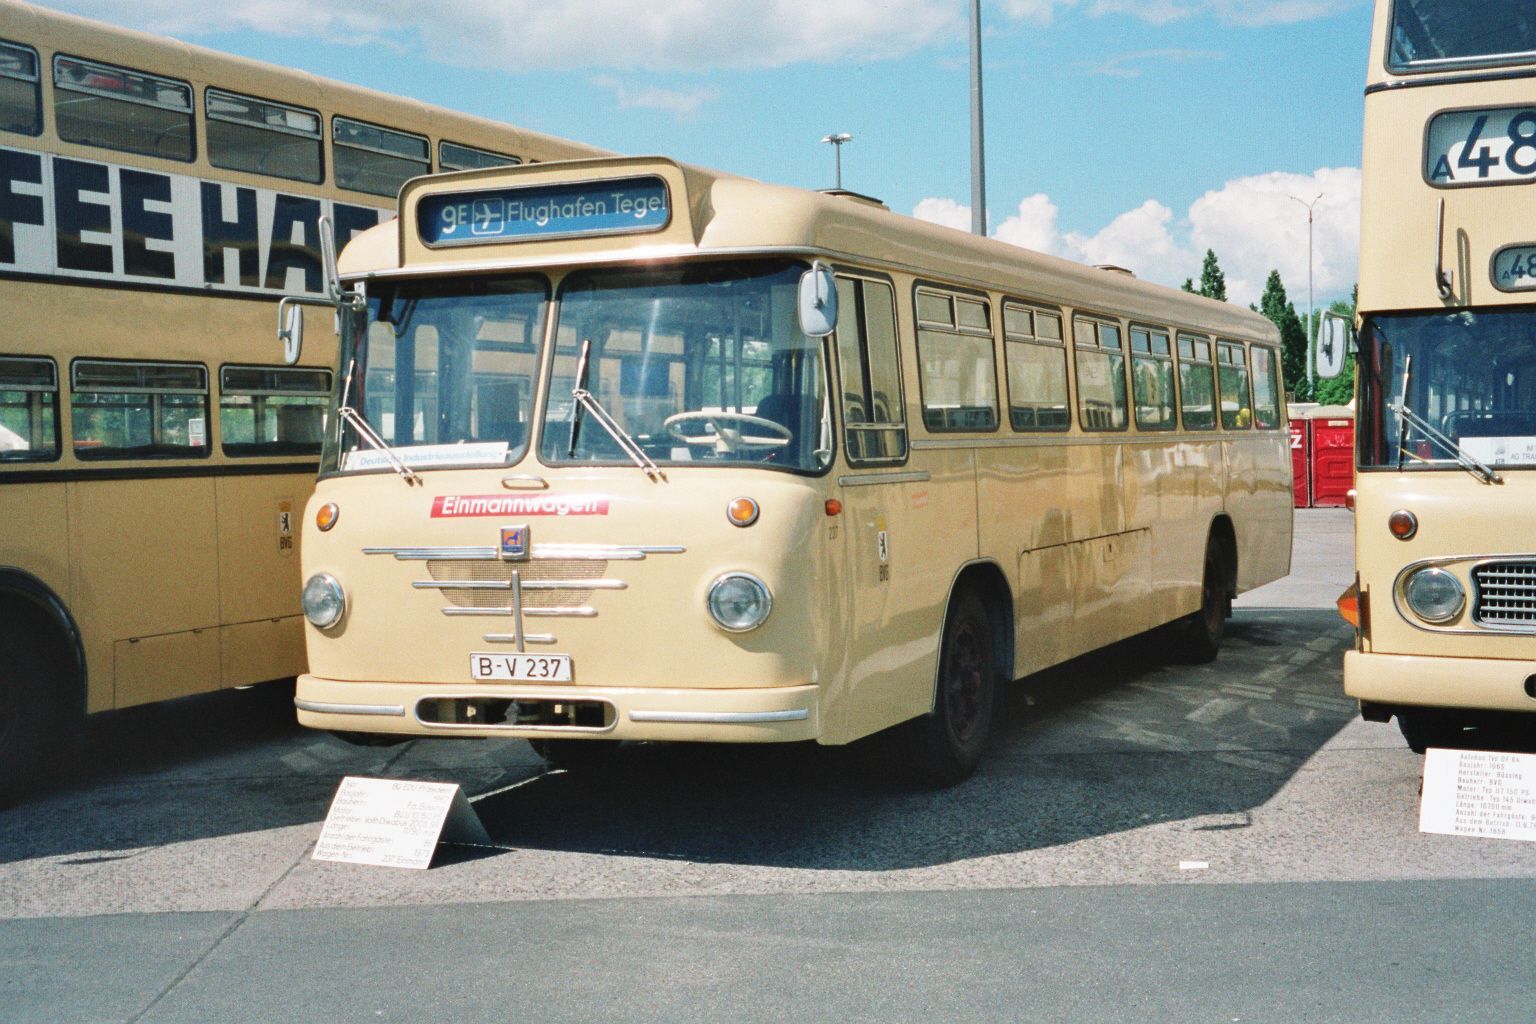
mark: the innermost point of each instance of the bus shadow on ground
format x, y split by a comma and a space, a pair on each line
1114, 740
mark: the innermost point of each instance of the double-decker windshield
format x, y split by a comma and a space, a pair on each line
1471, 379
695, 364
700, 364
1431, 34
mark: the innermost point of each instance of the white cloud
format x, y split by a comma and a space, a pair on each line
1254, 225
669, 101
1247, 13
1128, 65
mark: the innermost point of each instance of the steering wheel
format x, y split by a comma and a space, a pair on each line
728, 430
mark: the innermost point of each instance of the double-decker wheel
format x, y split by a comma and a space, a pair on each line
31, 719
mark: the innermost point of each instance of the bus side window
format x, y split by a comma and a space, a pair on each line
263, 137
376, 160
1036, 359
1152, 379
29, 410
1266, 388
1197, 385
21, 96
874, 417
123, 410
272, 410
955, 362
1232, 369
118, 108
1101, 401
453, 157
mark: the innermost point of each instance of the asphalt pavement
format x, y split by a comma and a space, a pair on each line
1144, 842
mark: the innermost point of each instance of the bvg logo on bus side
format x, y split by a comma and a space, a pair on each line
514, 543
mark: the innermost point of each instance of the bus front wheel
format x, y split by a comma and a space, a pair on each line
31, 719
575, 754
1430, 727
946, 745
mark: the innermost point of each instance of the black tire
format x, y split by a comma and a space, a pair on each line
1430, 727
944, 746
1196, 638
32, 720
575, 755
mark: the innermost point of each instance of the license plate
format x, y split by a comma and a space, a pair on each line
521, 668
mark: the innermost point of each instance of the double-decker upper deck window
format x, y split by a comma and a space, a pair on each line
272, 410
955, 361
103, 105
1152, 379
1101, 402
1197, 383
1232, 370
1266, 387
263, 137
21, 101
1036, 358
873, 416
1427, 35
453, 157
376, 160
29, 408
139, 410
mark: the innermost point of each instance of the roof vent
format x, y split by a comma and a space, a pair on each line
857, 197
1112, 269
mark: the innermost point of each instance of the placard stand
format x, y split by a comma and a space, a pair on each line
396, 823
1479, 793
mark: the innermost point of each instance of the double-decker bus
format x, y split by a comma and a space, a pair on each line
156, 199
1445, 600
623, 449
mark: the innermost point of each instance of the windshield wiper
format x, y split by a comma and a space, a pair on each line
586, 400
1478, 469
367, 433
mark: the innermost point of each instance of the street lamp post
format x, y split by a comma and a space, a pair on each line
837, 139
1311, 360
978, 156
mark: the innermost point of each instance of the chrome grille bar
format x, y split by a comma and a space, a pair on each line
1506, 594
568, 552
526, 585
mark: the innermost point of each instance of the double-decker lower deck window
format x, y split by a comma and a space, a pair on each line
263, 137
1036, 358
1101, 401
272, 410
117, 108
21, 103
123, 410
873, 415
377, 160
453, 157
1197, 383
955, 362
1232, 369
1152, 379
29, 409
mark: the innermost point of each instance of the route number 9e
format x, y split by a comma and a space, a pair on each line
1481, 147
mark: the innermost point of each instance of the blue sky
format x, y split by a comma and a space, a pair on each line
1137, 132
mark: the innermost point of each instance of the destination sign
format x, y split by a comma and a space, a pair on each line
620, 206
1514, 268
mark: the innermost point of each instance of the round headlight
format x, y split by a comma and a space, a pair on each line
1434, 595
739, 601
323, 600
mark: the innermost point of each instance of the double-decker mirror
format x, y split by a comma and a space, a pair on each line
1335, 337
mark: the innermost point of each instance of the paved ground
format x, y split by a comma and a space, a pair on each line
1145, 842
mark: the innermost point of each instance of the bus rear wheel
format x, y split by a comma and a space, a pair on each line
1196, 638
945, 746
31, 720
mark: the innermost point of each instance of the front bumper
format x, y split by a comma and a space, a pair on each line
1395, 680
760, 715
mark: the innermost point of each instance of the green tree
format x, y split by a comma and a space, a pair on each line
1213, 283
1341, 389
1293, 338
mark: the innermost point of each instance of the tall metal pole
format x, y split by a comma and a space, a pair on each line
1311, 343
978, 155
836, 139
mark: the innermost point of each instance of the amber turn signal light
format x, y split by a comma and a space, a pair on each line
742, 512
326, 517
1403, 524
1349, 605
834, 507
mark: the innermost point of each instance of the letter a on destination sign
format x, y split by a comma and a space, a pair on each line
396, 823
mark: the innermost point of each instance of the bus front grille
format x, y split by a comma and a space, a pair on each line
1506, 594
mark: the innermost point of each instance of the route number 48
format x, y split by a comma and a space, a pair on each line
1518, 142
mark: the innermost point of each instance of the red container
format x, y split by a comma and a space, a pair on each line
1301, 469
1331, 444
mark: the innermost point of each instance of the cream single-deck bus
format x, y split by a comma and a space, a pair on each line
629, 450
1445, 539
156, 200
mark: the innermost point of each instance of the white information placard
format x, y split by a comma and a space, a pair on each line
395, 823
1479, 793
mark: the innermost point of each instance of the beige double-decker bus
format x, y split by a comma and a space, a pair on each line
628, 450
156, 200
1445, 539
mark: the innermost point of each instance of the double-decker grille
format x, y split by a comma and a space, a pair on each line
1506, 594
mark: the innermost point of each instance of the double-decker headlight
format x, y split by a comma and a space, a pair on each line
324, 601
1434, 595
739, 601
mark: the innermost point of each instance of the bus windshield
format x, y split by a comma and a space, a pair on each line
1471, 377
699, 364
1431, 34
442, 372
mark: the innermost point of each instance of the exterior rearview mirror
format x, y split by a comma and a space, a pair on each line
290, 317
817, 305
1334, 340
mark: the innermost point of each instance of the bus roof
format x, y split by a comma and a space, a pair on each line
729, 215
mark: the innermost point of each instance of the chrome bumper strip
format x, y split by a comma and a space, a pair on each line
325, 708
721, 717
